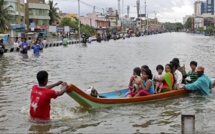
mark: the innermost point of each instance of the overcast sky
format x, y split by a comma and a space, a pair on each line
167, 10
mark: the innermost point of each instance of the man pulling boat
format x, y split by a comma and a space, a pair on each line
202, 85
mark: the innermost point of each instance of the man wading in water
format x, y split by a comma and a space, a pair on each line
41, 96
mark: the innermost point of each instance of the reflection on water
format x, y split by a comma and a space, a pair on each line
105, 65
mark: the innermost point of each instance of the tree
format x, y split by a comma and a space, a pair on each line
178, 26
54, 16
201, 29
5, 16
188, 23
66, 21
209, 29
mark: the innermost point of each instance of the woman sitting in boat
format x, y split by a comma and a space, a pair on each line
136, 72
177, 75
147, 85
167, 79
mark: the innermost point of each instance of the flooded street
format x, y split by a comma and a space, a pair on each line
106, 65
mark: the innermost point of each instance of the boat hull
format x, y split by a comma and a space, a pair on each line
88, 101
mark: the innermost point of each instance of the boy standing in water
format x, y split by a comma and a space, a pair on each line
24, 46
41, 96
36, 47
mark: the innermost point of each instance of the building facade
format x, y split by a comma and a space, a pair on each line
37, 15
210, 6
199, 8
95, 20
18, 22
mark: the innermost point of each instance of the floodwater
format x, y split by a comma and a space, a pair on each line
106, 65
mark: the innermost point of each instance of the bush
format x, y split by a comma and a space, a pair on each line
54, 34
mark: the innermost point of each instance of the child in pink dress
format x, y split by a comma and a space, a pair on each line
136, 72
159, 85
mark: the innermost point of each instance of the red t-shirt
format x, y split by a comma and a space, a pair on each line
40, 102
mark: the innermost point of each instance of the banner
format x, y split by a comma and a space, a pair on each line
142, 15
41, 27
71, 29
60, 28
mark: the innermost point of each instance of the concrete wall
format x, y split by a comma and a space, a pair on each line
95, 20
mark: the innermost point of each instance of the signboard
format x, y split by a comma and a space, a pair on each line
32, 24
41, 27
32, 28
142, 15
66, 29
52, 29
71, 29
60, 28
143, 23
18, 26
72, 15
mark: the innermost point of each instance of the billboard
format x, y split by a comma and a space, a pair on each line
60, 28
142, 15
52, 29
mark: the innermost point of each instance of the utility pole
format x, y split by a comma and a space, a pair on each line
128, 9
119, 13
94, 9
79, 26
122, 7
138, 8
146, 18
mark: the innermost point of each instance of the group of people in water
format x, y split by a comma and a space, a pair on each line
175, 77
23, 46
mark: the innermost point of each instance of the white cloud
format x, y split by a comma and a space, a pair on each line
167, 10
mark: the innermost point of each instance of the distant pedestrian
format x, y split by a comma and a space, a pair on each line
36, 47
24, 46
65, 41
44, 42
2, 47
16, 44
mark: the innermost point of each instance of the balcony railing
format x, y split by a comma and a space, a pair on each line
39, 17
38, 6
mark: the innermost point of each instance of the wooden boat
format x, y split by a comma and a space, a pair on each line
116, 97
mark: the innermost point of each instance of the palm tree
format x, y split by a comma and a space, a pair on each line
5, 16
53, 12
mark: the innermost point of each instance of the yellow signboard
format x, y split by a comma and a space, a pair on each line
143, 23
72, 15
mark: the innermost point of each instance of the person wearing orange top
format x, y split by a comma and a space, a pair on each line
167, 79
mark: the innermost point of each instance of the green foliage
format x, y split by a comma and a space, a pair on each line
201, 29
54, 16
209, 29
173, 26
54, 34
188, 23
178, 26
84, 28
5, 17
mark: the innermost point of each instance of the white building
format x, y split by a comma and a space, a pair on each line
198, 8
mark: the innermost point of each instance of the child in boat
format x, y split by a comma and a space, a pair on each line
146, 85
191, 76
136, 72
143, 68
159, 85
167, 79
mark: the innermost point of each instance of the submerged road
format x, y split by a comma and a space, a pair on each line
106, 65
